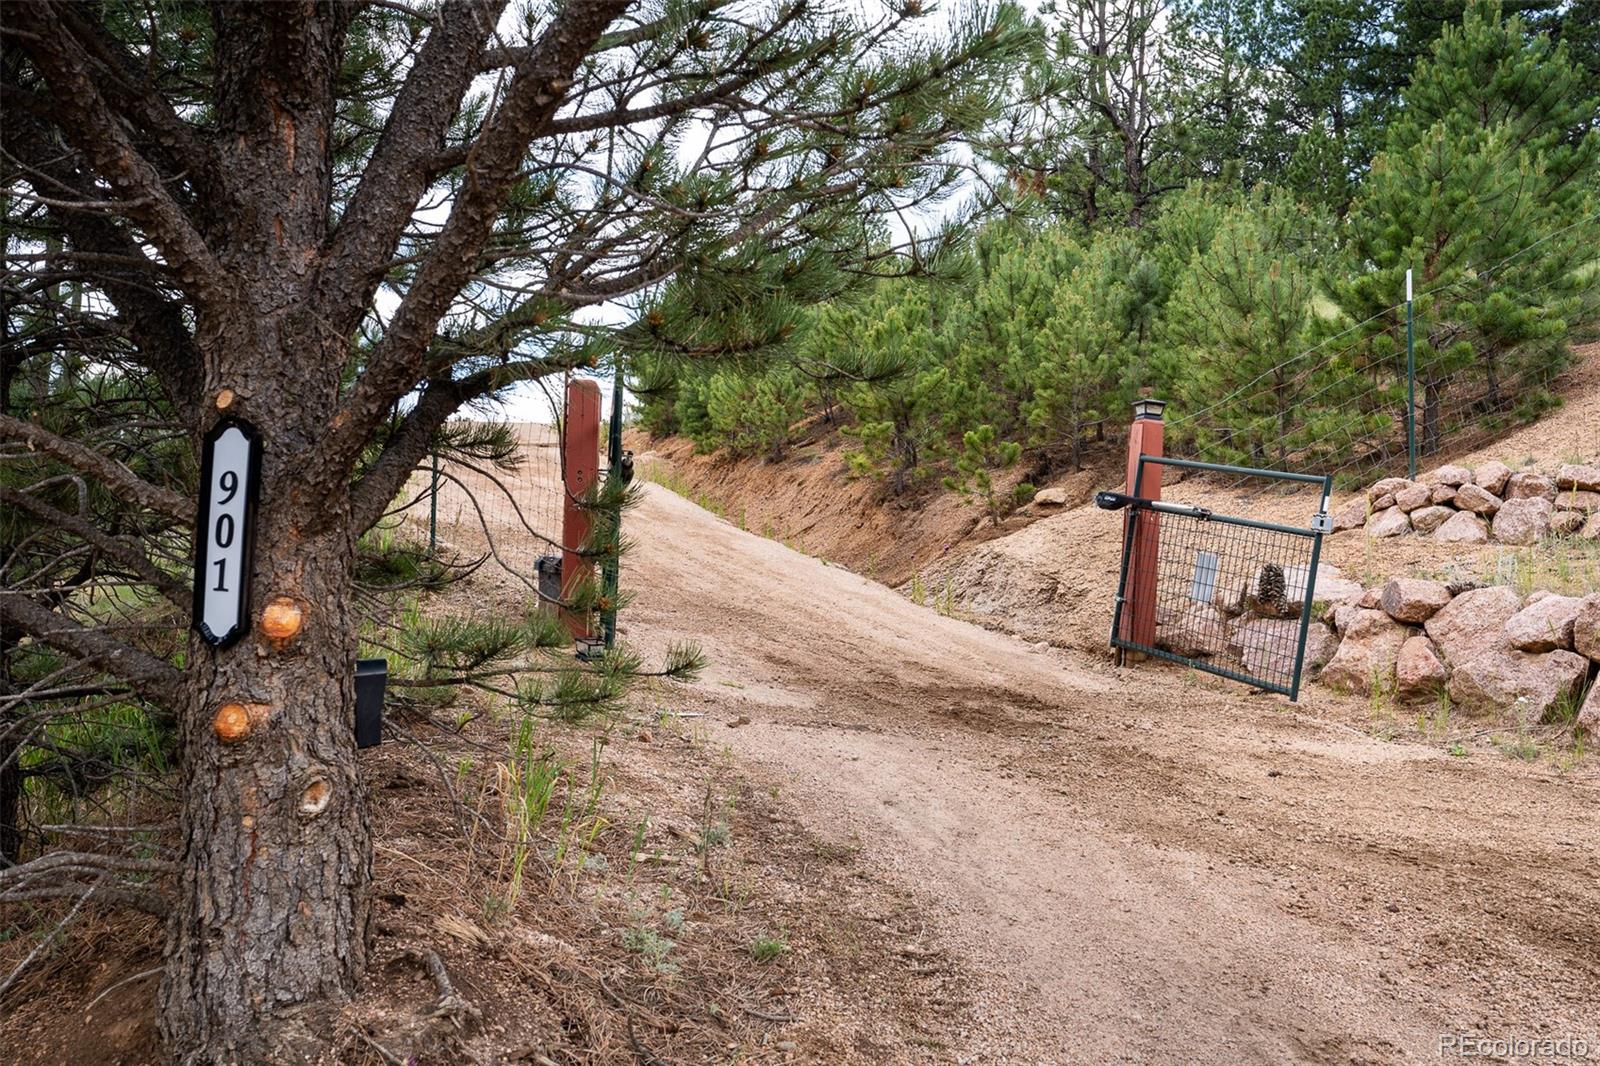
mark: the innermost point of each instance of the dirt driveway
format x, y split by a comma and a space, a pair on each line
1159, 868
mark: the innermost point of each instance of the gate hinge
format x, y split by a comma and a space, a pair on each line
1321, 522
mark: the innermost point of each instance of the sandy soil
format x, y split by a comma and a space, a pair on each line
1165, 869
811, 500
983, 850
1148, 865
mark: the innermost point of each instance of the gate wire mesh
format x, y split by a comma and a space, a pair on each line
506, 513
1226, 595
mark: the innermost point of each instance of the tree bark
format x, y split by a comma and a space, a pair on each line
272, 904
270, 926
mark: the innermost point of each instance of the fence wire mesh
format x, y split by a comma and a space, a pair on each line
1343, 405
494, 495
1226, 595
511, 510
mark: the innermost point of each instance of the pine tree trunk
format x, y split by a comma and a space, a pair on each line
269, 928
271, 910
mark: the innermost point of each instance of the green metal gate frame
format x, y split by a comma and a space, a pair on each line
1138, 505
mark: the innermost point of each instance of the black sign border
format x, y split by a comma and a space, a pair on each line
202, 539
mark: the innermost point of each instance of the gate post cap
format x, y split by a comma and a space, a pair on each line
1148, 408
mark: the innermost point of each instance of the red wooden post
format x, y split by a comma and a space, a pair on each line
580, 468
1144, 439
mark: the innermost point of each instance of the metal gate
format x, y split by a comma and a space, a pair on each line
1228, 595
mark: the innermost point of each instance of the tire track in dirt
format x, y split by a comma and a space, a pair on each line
1166, 871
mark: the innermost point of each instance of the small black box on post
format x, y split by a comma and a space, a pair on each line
372, 678
548, 568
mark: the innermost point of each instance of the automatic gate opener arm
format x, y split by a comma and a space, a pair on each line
1201, 513
1116, 501
1112, 501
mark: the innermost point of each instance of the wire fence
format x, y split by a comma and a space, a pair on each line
512, 510
1361, 410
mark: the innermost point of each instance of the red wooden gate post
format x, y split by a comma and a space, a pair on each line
580, 468
1144, 439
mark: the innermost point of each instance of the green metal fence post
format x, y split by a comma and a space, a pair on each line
610, 577
1411, 390
433, 507
1320, 525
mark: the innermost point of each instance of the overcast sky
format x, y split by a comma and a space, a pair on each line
531, 403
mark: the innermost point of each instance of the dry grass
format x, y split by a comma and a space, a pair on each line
623, 894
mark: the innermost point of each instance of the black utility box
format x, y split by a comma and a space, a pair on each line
372, 677
548, 567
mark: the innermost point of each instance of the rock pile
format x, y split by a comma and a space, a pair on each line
1255, 623
1489, 502
1489, 649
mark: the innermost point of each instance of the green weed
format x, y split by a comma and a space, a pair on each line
652, 946
768, 948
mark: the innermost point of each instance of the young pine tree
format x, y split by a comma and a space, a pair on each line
897, 389
1485, 189
1234, 325
1085, 359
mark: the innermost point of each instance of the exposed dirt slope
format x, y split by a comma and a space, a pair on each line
1166, 869
1042, 573
811, 500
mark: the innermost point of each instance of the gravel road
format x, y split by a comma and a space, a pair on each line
1156, 867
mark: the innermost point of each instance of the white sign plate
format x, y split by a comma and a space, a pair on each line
224, 531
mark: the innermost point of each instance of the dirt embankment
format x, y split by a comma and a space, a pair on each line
1056, 580
811, 500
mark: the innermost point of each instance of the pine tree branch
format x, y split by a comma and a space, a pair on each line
56, 862
496, 58
161, 337
403, 162
105, 891
122, 550
89, 123
116, 477
720, 93
493, 167
406, 447
146, 110
147, 674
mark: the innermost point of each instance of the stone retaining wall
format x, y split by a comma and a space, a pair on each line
1489, 502
1489, 649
